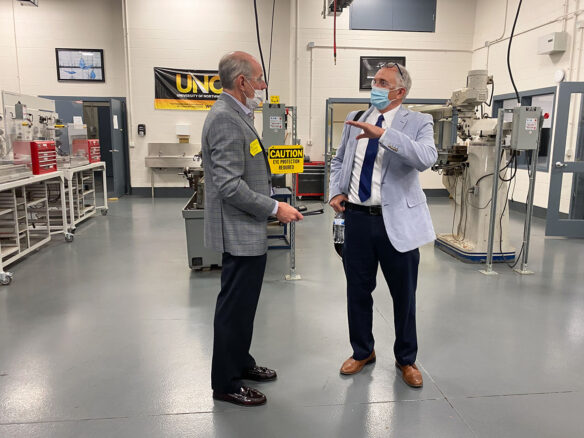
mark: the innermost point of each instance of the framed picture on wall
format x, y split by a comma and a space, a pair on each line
369, 66
80, 65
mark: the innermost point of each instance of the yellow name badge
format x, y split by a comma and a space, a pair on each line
255, 148
286, 159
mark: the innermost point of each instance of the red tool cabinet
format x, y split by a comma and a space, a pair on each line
88, 148
40, 155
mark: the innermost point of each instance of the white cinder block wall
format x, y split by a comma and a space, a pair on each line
193, 35
438, 63
530, 70
34, 32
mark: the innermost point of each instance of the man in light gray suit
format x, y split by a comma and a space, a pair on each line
374, 180
237, 206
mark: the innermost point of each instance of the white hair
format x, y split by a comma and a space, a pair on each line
404, 79
232, 65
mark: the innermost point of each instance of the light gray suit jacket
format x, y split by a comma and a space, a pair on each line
237, 183
409, 150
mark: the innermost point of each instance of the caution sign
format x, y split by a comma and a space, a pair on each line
286, 159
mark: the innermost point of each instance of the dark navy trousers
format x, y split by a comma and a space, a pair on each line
367, 246
241, 283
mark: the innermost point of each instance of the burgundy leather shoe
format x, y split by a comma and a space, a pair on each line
259, 374
245, 397
352, 366
411, 375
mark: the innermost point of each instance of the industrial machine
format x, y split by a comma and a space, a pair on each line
478, 159
199, 257
31, 118
27, 137
196, 179
73, 146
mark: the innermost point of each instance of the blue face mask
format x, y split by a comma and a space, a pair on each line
379, 97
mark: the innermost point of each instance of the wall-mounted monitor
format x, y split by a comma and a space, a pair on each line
369, 66
80, 65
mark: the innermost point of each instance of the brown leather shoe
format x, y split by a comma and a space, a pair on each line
411, 375
245, 397
260, 374
352, 366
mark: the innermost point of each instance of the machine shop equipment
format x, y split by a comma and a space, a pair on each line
274, 133
196, 179
26, 137
199, 257
30, 119
73, 146
477, 167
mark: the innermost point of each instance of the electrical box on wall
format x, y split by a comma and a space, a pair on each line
556, 42
526, 127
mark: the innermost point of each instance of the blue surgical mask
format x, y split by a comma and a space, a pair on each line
379, 97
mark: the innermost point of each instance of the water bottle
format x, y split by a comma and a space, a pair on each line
339, 228
339, 232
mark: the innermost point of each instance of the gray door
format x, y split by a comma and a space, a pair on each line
565, 215
117, 150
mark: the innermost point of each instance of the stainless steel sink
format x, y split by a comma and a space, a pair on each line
170, 161
171, 155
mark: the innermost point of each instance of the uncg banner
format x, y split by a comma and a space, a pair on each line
185, 89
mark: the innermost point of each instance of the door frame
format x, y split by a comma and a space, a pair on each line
124, 124
557, 224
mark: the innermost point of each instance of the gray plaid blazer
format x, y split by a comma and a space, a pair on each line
237, 183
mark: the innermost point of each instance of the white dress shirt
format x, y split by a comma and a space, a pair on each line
375, 198
245, 109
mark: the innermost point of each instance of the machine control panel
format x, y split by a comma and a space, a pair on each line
526, 124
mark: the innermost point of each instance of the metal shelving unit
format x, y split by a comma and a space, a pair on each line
26, 217
81, 192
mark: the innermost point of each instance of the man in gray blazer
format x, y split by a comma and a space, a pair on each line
374, 180
237, 206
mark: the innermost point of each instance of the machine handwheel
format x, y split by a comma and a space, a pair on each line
69, 237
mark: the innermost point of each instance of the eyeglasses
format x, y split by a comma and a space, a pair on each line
380, 83
394, 64
383, 84
258, 80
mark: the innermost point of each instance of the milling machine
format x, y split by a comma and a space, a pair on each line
467, 143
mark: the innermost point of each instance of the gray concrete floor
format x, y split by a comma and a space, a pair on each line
111, 336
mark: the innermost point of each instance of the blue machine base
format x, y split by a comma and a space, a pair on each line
473, 257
